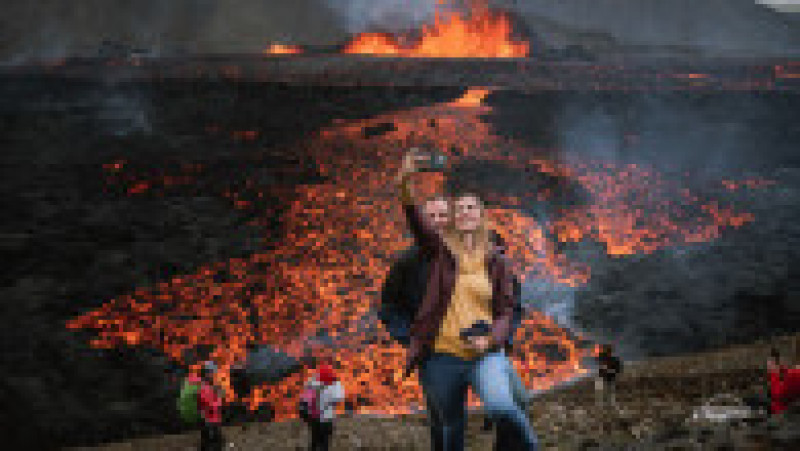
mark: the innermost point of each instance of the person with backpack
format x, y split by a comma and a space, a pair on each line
318, 400
200, 401
469, 281
401, 297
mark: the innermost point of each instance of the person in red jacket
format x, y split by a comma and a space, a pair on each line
329, 392
784, 384
210, 406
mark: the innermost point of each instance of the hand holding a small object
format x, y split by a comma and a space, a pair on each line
417, 161
478, 336
412, 161
479, 343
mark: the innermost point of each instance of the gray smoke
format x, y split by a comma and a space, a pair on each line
31, 29
732, 137
387, 15
54, 28
712, 26
708, 140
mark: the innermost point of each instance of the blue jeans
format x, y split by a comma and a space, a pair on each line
445, 379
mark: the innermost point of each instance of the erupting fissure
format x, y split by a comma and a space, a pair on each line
482, 33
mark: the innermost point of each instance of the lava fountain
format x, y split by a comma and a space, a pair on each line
482, 33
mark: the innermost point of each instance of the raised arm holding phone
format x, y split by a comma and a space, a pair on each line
463, 323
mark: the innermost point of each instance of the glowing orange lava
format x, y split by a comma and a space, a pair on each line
473, 97
324, 271
283, 49
483, 33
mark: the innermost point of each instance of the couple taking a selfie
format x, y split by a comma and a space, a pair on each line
454, 301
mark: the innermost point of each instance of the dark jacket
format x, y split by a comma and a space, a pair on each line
404, 288
441, 282
610, 367
402, 293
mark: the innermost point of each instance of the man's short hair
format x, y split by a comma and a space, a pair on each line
774, 354
457, 193
436, 198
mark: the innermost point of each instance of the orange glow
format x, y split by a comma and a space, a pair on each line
283, 49
483, 33
325, 268
692, 76
473, 97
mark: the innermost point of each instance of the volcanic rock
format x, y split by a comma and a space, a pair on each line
738, 288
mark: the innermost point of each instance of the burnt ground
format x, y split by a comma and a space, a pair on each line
71, 240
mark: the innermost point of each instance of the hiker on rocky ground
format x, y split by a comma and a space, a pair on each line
761, 401
321, 393
784, 384
469, 280
210, 407
402, 295
609, 367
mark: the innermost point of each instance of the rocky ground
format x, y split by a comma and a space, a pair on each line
657, 402
642, 72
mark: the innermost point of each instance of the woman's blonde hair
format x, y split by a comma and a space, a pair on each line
454, 237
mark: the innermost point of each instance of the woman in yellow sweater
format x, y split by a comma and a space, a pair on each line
470, 281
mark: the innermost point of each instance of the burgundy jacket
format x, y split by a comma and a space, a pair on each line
441, 282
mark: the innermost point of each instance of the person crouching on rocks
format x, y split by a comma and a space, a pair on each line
210, 407
321, 394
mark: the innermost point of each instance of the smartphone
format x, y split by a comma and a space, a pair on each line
434, 162
478, 329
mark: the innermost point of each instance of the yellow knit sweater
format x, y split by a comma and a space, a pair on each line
471, 302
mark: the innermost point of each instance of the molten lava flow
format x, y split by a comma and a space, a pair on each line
323, 273
483, 33
472, 98
283, 49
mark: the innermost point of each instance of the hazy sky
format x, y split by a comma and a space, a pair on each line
782, 5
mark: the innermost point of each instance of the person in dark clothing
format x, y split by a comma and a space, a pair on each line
609, 367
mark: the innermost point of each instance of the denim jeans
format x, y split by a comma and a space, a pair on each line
445, 379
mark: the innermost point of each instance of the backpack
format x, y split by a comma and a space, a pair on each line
309, 404
189, 401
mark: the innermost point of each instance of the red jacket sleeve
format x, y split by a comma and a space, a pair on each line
777, 384
792, 385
